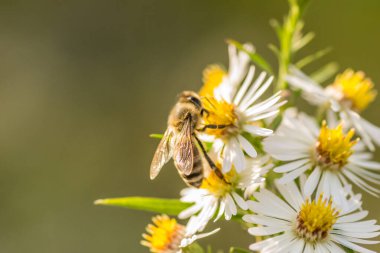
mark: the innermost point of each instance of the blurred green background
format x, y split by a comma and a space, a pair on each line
83, 83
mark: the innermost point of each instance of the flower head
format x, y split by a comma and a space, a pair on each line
315, 219
299, 224
328, 153
217, 197
347, 96
165, 235
334, 148
354, 89
221, 114
233, 109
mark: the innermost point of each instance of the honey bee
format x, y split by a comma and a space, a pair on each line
181, 143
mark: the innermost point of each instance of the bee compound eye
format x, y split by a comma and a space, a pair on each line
195, 101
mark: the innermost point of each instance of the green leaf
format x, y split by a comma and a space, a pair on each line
256, 58
274, 49
313, 57
238, 250
303, 41
276, 26
157, 205
156, 136
325, 73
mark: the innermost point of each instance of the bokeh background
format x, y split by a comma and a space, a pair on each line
83, 84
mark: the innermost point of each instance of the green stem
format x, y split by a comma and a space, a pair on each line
286, 35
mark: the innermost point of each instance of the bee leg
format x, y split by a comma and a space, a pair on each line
211, 126
210, 162
204, 112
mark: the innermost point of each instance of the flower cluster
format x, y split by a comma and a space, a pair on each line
316, 160
247, 152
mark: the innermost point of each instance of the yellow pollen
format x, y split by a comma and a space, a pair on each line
333, 147
212, 76
316, 219
164, 235
216, 185
221, 115
356, 89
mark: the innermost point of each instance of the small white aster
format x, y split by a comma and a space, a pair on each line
331, 156
165, 235
299, 225
244, 114
350, 93
216, 197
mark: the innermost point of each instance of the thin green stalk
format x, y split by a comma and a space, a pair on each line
286, 34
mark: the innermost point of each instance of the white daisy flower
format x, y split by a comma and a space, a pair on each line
350, 94
165, 235
217, 197
233, 109
329, 154
299, 225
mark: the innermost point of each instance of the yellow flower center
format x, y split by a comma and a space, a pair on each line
164, 235
356, 90
333, 147
217, 186
316, 219
221, 117
212, 76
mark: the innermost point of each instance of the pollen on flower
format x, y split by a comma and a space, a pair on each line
355, 88
164, 235
316, 219
212, 76
220, 116
217, 186
333, 147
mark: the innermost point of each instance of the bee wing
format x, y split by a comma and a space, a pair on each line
163, 154
183, 153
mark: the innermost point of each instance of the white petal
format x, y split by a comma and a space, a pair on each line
252, 90
263, 231
247, 146
222, 207
344, 242
312, 181
240, 201
227, 161
237, 155
230, 204
291, 166
189, 240
258, 94
291, 194
245, 85
294, 174
257, 130
265, 221
352, 217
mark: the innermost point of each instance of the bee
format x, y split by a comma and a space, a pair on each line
181, 143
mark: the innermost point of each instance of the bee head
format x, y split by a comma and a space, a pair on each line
190, 96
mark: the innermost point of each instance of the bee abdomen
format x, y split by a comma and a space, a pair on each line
195, 178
